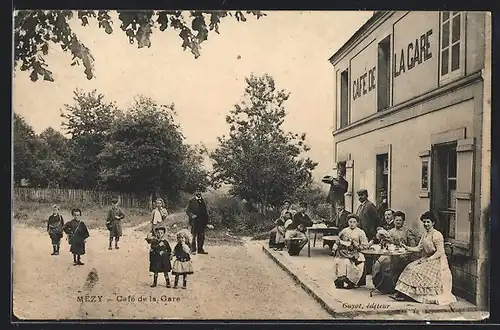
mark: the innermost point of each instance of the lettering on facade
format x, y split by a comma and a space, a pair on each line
364, 84
414, 54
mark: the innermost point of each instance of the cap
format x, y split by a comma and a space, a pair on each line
362, 192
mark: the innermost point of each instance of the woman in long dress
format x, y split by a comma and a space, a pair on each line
349, 263
427, 280
386, 271
158, 215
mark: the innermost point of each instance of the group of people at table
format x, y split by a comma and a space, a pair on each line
398, 270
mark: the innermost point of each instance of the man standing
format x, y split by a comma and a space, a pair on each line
338, 188
367, 212
198, 220
383, 204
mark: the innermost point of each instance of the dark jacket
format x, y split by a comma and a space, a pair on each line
368, 215
300, 219
341, 220
338, 191
198, 208
55, 225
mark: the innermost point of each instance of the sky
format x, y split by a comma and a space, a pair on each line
292, 46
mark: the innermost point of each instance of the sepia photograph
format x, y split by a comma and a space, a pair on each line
251, 165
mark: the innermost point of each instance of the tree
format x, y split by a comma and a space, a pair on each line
24, 150
52, 153
34, 30
259, 159
89, 121
145, 153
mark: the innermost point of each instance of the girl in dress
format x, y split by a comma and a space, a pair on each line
159, 255
182, 264
348, 264
427, 280
55, 226
77, 234
158, 215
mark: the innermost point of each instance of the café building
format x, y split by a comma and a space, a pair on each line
412, 118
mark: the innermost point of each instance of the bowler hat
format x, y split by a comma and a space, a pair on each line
362, 192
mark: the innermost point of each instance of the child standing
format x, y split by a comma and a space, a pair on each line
159, 255
182, 263
77, 234
114, 223
158, 215
55, 229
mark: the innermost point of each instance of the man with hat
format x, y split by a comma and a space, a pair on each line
114, 223
367, 212
338, 189
198, 220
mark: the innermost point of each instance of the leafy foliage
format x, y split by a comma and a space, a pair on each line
24, 149
34, 30
258, 158
89, 121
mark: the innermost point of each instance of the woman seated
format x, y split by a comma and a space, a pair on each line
348, 262
295, 234
277, 239
386, 271
428, 279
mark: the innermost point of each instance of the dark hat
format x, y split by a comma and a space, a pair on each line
160, 228
362, 192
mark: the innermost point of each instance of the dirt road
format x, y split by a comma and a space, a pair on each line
232, 282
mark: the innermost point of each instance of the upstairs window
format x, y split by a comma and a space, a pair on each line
452, 45
344, 98
384, 74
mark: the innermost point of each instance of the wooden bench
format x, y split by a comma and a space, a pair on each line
329, 241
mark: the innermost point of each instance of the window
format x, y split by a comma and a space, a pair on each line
445, 188
424, 185
344, 98
383, 73
452, 45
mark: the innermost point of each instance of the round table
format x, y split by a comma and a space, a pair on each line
384, 252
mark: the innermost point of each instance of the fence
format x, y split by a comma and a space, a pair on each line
55, 195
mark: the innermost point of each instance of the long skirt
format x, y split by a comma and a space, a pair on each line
77, 247
386, 271
159, 263
182, 267
428, 282
343, 267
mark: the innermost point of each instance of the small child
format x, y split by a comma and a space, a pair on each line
77, 234
158, 215
159, 255
182, 264
55, 226
114, 223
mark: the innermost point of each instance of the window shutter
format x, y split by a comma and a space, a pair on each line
464, 194
349, 200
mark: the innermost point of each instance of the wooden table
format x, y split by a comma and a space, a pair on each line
396, 253
316, 230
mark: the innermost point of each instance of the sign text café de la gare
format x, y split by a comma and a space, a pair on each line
409, 120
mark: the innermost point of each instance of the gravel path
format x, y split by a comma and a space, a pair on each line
232, 282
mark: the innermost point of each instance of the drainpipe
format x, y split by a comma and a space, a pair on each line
482, 288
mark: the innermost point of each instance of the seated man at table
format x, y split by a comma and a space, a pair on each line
386, 271
295, 236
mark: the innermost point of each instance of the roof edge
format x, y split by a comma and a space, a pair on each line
371, 21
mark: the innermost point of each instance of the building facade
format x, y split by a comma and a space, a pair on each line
413, 119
